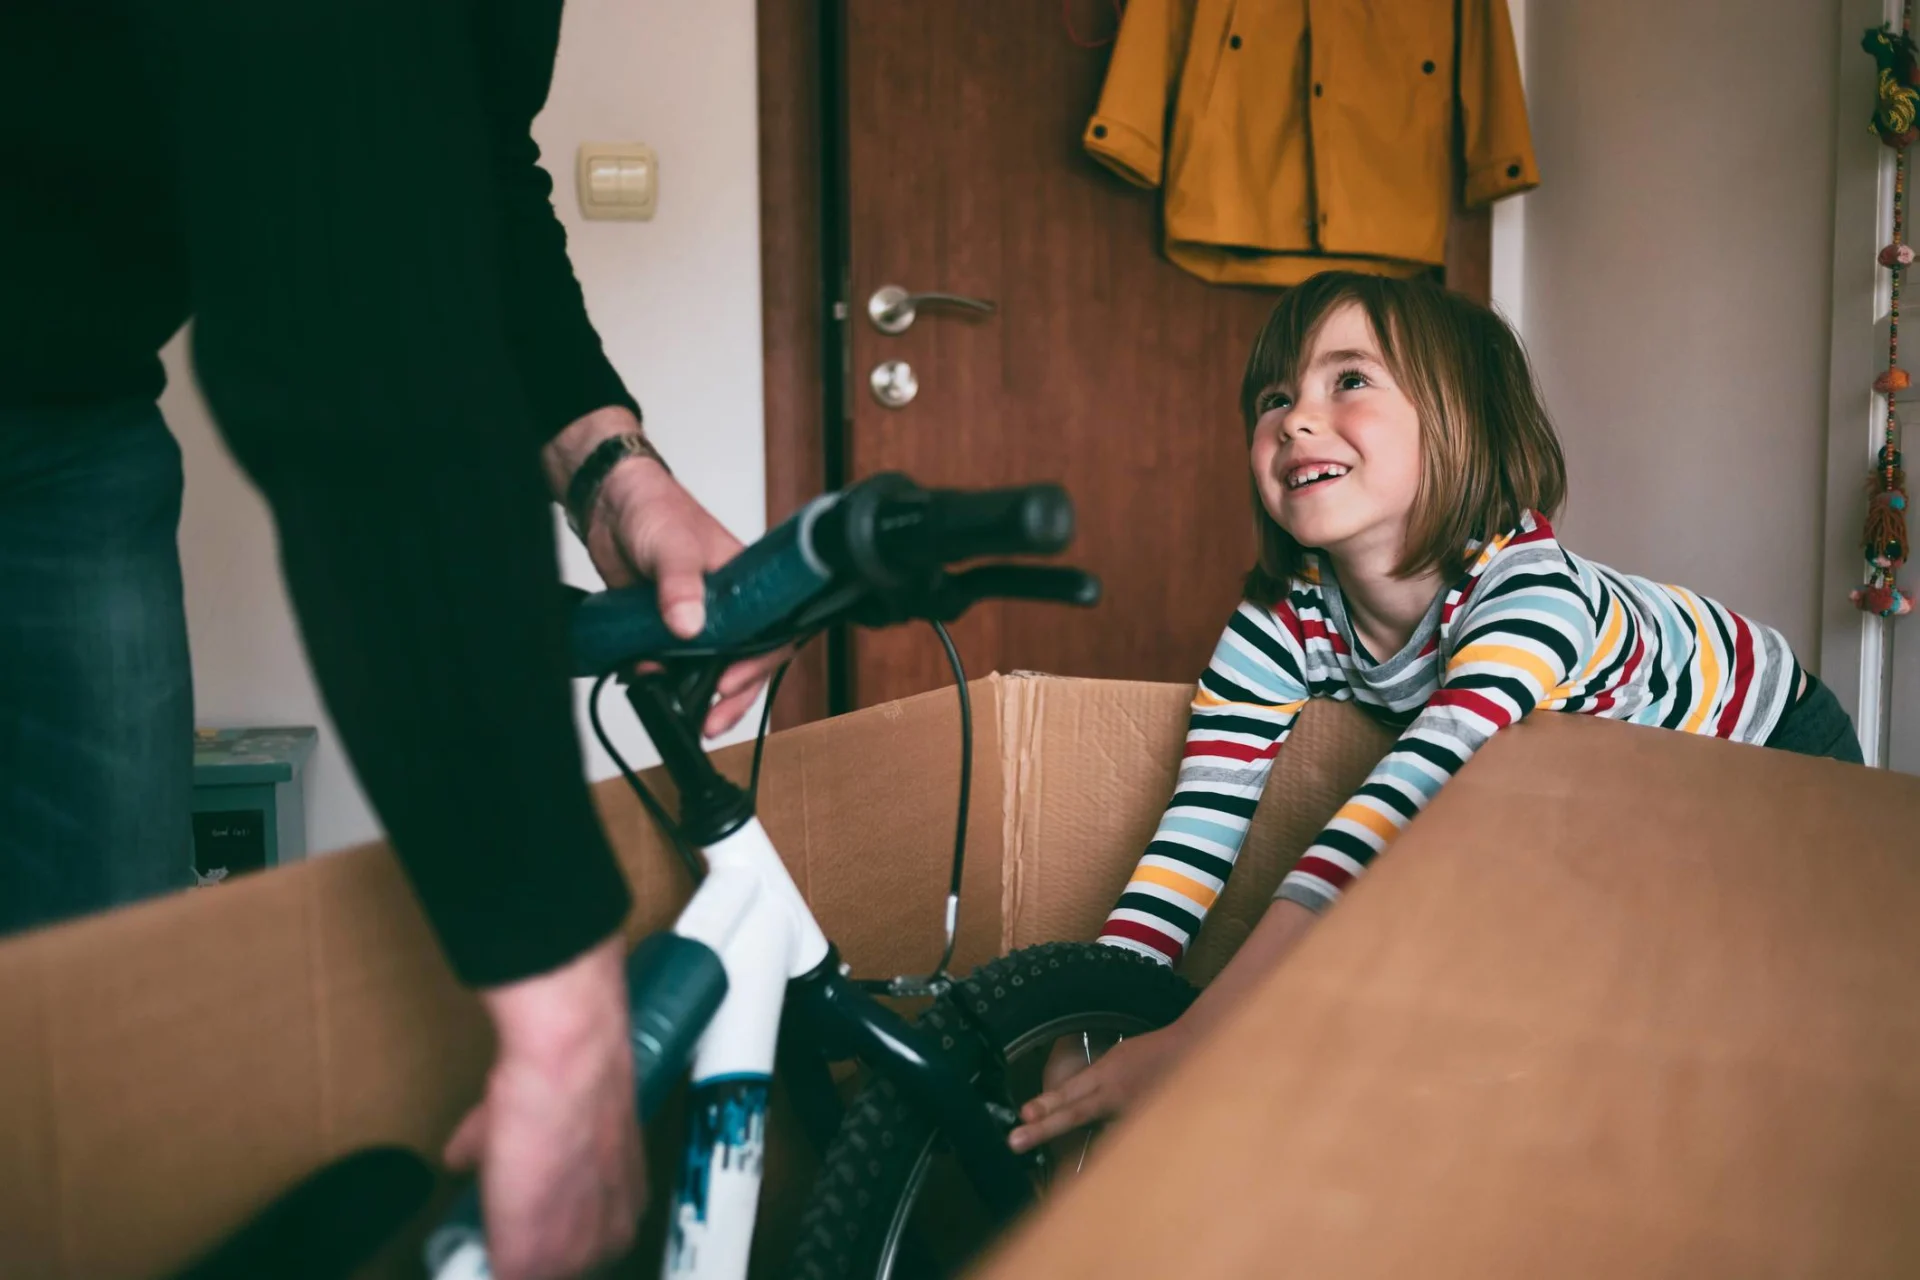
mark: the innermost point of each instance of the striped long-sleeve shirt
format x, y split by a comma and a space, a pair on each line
1528, 626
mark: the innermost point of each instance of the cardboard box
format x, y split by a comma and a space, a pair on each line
1622, 1002
1654, 970
166, 1069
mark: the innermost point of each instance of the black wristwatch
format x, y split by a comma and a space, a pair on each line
584, 489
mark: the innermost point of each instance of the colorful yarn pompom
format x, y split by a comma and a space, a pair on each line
1886, 534
1897, 255
1891, 381
1892, 52
1899, 106
1886, 601
1887, 530
1896, 104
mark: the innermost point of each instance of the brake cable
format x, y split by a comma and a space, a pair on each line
939, 980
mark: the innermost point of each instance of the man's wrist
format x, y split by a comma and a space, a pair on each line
592, 479
562, 455
580, 461
557, 1013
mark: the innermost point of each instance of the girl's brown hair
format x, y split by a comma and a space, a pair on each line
1487, 449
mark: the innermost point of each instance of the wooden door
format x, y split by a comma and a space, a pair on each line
1103, 367
956, 165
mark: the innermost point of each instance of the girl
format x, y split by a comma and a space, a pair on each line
1403, 472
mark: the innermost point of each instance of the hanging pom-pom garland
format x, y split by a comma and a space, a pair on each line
1896, 119
1897, 100
1887, 601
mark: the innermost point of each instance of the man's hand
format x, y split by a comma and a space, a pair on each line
645, 525
1079, 1095
563, 1180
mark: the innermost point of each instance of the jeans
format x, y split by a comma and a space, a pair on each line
96, 691
1817, 725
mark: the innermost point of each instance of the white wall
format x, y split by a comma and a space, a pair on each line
677, 301
1678, 267
1508, 274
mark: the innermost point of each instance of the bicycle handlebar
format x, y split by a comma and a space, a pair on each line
885, 534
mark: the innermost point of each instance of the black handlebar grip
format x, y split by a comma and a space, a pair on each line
1032, 520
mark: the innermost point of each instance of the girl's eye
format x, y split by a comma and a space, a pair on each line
1270, 400
1350, 380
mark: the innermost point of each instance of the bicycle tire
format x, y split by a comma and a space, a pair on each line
875, 1171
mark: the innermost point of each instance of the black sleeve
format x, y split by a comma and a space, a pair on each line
336, 193
561, 361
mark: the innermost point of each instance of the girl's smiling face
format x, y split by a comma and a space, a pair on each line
1337, 458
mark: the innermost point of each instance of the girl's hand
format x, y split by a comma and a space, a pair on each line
1079, 1095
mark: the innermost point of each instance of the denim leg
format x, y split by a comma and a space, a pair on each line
96, 690
1817, 725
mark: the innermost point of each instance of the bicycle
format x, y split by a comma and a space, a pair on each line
745, 983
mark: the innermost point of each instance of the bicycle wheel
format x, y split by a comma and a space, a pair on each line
890, 1202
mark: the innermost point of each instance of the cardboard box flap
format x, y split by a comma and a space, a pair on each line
1623, 1002
1092, 765
167, 1068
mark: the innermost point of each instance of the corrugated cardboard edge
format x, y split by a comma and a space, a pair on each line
1020, 697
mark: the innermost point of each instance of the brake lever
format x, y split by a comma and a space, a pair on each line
827, 610
1046, 583
947, 596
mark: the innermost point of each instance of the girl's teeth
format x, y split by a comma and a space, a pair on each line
1304, 478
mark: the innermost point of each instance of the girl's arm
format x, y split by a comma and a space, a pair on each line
1526, 630
1244, 707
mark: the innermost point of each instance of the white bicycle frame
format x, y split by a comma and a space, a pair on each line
751, 914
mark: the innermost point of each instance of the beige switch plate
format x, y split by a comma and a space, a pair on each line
618, 180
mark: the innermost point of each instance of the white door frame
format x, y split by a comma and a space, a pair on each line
1855, 647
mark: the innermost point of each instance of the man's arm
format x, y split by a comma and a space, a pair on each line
643, 523
561, 361
351, 342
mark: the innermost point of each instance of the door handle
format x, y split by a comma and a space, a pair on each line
892, 309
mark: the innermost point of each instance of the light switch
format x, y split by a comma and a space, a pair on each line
618, 180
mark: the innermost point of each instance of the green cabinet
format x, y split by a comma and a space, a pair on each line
248, 809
